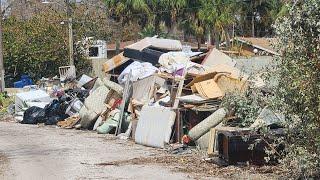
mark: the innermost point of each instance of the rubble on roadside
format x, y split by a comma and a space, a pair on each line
159, 93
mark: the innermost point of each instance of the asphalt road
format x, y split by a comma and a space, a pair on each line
45, 153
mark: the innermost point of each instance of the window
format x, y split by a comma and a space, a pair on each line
93, 52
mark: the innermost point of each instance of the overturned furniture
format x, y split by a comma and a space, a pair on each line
242, 145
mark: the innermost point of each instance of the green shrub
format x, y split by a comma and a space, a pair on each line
298, 93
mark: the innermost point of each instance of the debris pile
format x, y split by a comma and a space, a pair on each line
159, 92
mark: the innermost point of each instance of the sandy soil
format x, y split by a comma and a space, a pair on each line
41, 152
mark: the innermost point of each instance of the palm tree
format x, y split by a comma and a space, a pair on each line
127, 10
190, 22
175, 8
147, 12
259, 15
218, 15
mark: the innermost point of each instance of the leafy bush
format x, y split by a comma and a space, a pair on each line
244, 106
298, 93
37, 46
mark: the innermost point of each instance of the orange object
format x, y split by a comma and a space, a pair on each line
186, 139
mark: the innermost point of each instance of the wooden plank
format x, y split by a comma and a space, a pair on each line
178, 123
178, 127
179, 90
212, 142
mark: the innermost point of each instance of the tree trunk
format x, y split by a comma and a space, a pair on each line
157, 25
216, 39
252, 25
118, 46
209, 39
199, 43
252, 18
185, 38
2, 84
226, 32
173, 29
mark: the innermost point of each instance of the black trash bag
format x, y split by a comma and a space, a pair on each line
50, 114
53, 108
55, 111
34, 115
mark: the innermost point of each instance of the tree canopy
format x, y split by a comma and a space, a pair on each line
198, 18
38, 43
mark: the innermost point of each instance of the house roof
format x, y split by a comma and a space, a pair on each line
260, 43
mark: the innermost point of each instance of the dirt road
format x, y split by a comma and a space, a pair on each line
32, 152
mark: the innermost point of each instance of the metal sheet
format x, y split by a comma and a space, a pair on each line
155, 126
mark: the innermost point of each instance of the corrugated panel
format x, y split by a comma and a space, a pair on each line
154, 126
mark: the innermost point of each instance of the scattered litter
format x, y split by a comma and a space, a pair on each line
69, 123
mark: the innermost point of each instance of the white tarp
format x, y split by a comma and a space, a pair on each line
173, 61
138, 71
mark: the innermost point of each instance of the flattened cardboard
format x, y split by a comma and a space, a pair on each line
209, 89
228, 84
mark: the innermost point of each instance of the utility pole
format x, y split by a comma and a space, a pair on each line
252, 26
1, 52
69, 14
253, 18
